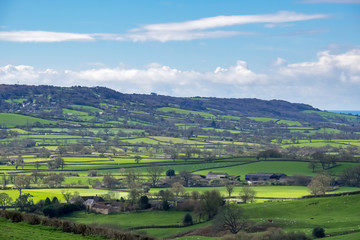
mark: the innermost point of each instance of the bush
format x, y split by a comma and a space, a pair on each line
32, 219
80, 228
187, 220
14, 216
144, 202
165, 205
318, 232
67, 226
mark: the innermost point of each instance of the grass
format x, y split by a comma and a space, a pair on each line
174, 140
333, 116
24, 231
288, 167
183, 111
16, 100
141, 140
266, 192
86, 108
262, 119
74, 112
334, 214
42, 194
320, 143
12, 120
126, 220
289, 122
350, 236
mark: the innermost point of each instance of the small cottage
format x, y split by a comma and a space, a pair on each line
102, 208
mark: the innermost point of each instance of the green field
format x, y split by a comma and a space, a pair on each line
126, 220
183, 111
288, 167
266, 192
11, 120
42, 194
334, 214
86, 108
42, 131
331, 115
24, 231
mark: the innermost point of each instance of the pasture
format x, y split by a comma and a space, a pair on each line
335, 214
288, 167
22, 231
11, 120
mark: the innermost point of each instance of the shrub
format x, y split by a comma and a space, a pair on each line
32, 219
144, 202
187, 220
80, 228
165, 205
14, 216
318, 232
67, 226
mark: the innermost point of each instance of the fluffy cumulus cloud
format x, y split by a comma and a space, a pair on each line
164, 32
332, 81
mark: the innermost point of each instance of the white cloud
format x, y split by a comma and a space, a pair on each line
226, 21
344, 66
43, 36
164, 32
329, 82
333, 1
196, 29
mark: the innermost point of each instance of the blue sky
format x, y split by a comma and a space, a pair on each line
305, 51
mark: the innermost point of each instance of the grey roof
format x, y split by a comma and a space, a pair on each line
89, 202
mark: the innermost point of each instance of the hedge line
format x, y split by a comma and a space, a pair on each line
333, 195
71, 227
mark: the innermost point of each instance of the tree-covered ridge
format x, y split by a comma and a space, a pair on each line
49, 101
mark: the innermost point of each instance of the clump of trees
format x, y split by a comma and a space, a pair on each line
320, 184
247, 194
351, 176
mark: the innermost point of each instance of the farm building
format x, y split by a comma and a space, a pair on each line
214, 175
102, 208
84, 199
257, 177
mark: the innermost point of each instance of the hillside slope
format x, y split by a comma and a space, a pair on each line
49, 102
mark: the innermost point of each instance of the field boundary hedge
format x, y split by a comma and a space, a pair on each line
71, 227
332, 195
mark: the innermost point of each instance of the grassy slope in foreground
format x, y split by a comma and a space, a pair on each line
24, 231
335, 214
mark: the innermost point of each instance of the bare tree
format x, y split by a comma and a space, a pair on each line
59, 162
178, 188
320, 184
185, 177
154, 172
229, 187
230, 217
21, 182
247, 194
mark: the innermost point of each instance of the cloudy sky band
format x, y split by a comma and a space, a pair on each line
178, 31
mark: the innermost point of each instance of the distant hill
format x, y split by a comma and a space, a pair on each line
99, 103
